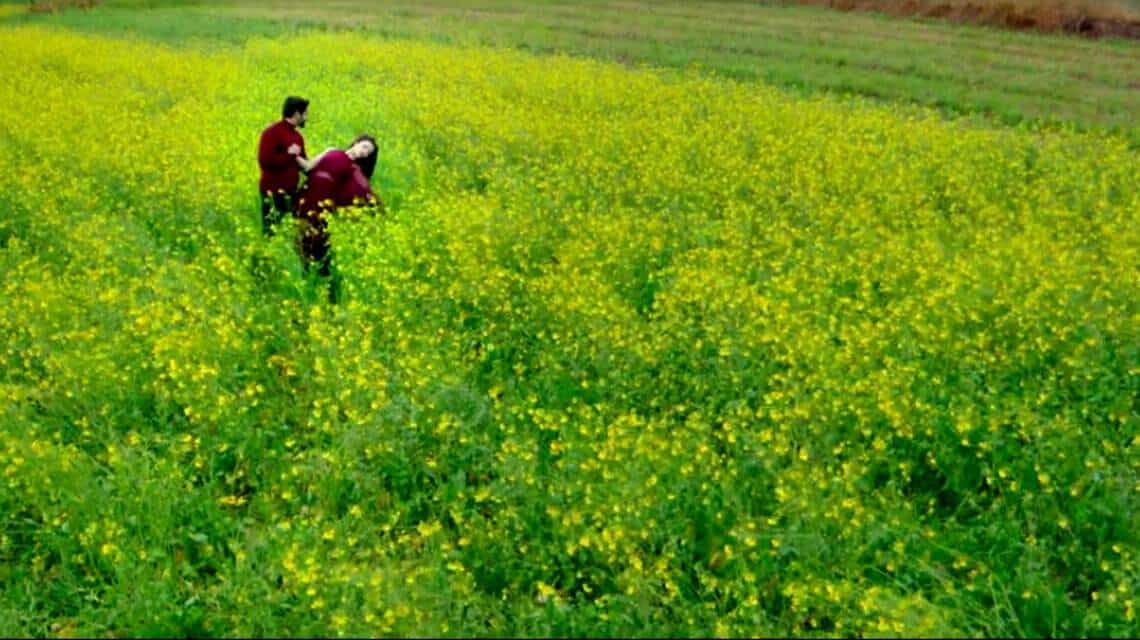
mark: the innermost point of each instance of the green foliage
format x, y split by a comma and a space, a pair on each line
631, 353
1002, 76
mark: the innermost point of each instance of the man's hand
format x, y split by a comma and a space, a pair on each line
294, 150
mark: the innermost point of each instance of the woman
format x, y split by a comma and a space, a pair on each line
336, 179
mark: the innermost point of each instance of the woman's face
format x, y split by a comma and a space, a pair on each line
362, 149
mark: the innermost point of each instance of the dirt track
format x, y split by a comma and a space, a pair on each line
1094, 21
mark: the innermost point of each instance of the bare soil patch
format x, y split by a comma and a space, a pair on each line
1094, 20
52, 6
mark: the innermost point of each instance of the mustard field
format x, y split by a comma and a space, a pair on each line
630, 352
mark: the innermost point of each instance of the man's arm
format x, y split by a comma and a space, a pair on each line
272, 153
307, 164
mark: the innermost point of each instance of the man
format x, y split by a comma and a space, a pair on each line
277, 153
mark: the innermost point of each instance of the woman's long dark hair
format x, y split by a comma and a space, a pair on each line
367, 164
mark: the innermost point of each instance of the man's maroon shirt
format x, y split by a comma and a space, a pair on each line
279, 170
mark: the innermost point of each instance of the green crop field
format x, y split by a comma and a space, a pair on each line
689, 322
1008, 76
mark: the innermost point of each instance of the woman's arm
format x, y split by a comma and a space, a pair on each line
307, 164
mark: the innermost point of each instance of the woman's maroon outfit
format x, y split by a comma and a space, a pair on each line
335, 181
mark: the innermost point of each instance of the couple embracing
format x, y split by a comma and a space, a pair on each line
335, 178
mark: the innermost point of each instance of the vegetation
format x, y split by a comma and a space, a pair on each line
633, 352
997, 75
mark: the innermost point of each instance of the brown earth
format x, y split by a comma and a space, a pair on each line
44, 6
1092, 20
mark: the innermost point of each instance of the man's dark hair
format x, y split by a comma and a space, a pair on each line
293, 106
367, 164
